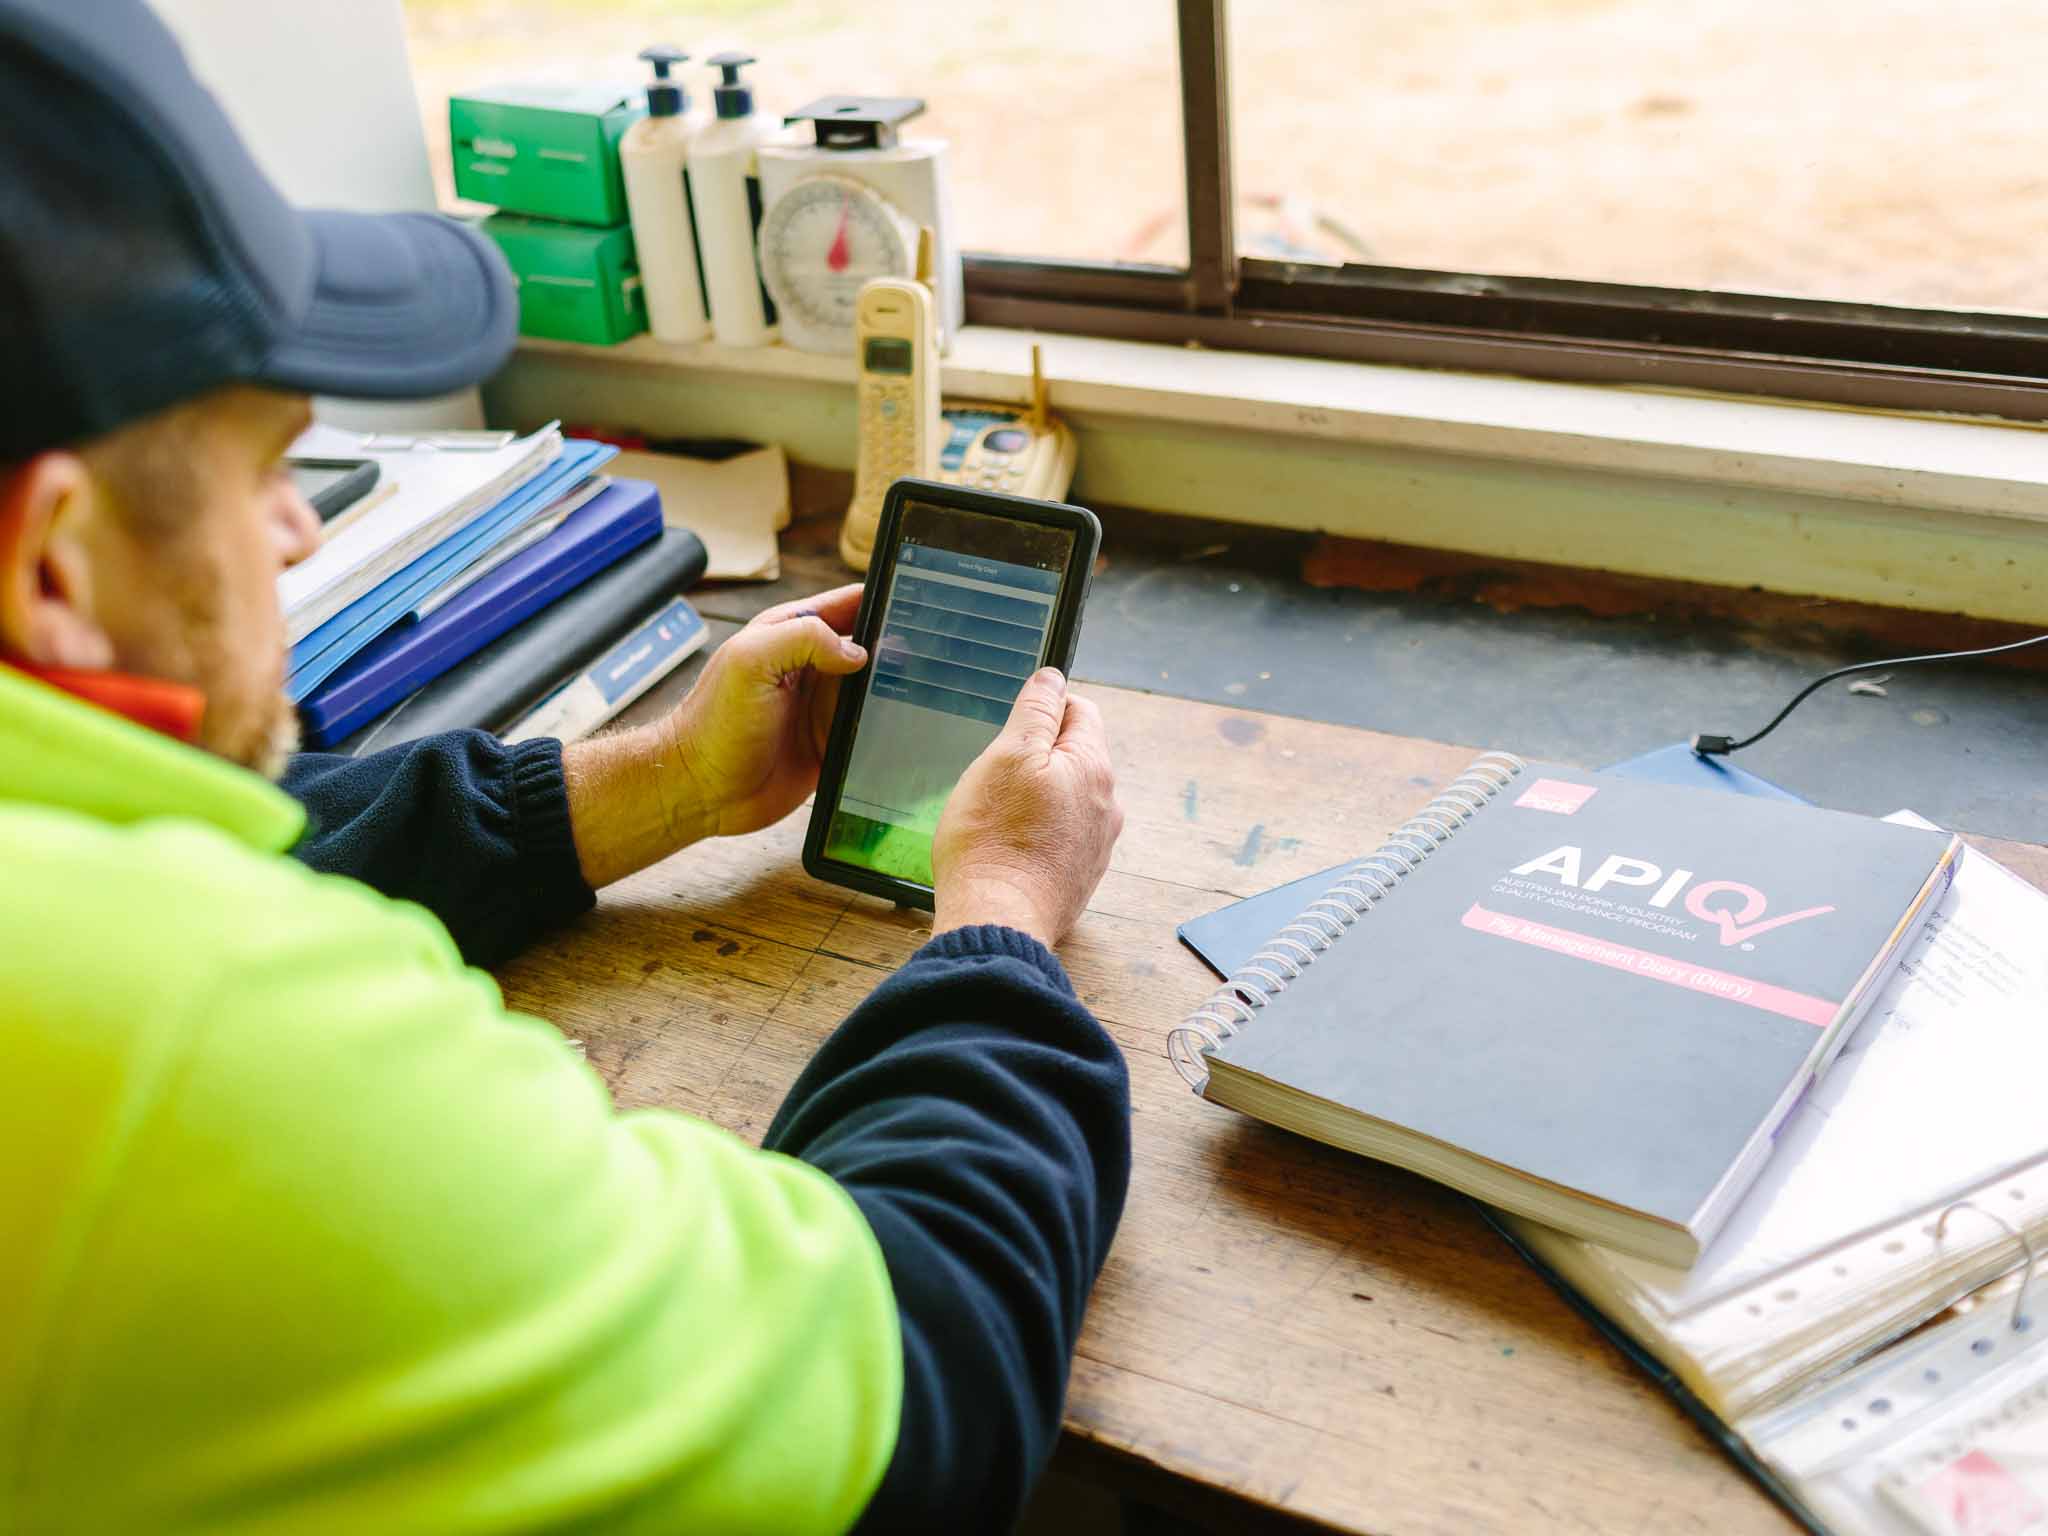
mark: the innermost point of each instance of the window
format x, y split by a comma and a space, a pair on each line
1063, 116
1828, 199
1877, 151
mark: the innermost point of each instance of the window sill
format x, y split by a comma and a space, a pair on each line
1936, 513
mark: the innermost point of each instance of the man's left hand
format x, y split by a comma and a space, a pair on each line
751, 735
738, 754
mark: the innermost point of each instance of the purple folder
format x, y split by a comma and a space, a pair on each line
618, 520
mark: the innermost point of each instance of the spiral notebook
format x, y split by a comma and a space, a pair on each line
1584, 999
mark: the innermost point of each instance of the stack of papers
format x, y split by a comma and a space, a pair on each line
449, 510
1840, 1246
432, 492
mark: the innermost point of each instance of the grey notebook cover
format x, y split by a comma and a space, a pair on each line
1600, 982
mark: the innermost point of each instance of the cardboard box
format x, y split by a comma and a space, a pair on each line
575, 283
545, 150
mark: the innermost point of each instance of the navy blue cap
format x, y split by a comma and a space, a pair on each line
732, 96
665, 97
145, 259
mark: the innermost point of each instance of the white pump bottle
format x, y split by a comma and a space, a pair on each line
725, 196
653, 157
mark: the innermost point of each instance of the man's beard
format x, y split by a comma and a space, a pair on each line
280, 741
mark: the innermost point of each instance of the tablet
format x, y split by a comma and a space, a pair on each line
968, 593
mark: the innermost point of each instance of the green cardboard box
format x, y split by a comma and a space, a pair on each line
551, 151
575, 283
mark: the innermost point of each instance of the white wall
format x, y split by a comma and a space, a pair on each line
322, 90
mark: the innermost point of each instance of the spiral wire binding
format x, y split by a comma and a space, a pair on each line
1317, 927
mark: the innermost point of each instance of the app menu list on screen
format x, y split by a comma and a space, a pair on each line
960, 633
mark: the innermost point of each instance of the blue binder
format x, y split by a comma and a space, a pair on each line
618, 520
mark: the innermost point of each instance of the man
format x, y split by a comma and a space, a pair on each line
302, 1231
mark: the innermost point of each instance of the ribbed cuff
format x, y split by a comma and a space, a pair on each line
540, 819
993, 941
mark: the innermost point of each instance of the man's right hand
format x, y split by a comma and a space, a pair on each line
1027, 832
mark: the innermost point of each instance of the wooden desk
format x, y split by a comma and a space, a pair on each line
1282, 1330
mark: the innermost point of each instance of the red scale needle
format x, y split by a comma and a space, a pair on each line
842, 251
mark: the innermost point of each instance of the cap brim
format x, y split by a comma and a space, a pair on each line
405, 305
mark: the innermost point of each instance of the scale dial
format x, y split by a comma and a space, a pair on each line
825, 237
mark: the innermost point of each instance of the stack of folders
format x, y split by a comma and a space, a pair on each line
503, 583
1828, 1333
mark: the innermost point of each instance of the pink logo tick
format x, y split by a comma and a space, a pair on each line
1740, 924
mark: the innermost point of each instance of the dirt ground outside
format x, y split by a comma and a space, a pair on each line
1890, 151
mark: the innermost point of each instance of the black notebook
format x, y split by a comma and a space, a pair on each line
1584, 998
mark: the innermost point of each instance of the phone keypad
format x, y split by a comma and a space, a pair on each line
889, 428
999, 458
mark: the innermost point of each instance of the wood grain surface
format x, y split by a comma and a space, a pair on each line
1284, 1333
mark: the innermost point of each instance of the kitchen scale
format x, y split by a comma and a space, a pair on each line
848, 207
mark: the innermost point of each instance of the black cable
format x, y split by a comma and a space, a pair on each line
1721, 746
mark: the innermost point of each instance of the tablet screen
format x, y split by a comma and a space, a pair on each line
964, 622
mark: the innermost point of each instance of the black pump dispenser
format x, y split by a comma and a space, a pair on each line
733, 96
665, 97
857, 122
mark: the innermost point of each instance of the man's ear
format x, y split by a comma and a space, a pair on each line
46, 612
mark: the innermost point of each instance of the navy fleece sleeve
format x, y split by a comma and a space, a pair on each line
473, 830
980, 1118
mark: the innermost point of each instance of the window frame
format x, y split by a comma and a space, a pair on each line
1865, 355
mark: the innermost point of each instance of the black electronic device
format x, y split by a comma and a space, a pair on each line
332, 486
969, 592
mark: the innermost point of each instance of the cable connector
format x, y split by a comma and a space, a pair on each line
1719, 746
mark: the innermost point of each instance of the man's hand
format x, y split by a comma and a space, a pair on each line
739, 753
1027, 832
751, 735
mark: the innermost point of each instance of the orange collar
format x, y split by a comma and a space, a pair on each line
172, 708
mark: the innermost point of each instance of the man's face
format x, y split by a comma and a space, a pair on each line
185, 554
